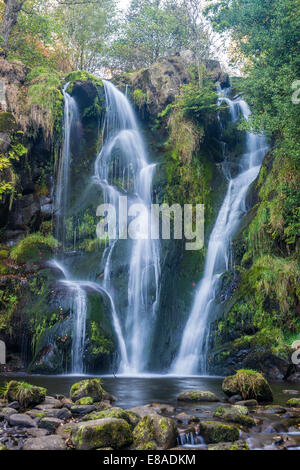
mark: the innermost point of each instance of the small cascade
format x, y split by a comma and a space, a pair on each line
190, 439
122, 169
191, 358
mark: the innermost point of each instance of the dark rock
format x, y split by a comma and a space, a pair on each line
153, 432
45, 443
51, 424
22, 420
234, 399
82, 409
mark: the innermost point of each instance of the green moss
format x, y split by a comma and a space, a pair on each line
26, 394
34, 247
294, 402
85, 401
83, 76
87, 388
100, 344
214, 432
139, 97
249, 384
115, 433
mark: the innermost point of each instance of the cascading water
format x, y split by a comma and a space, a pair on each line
77, 294
71, 117
191, 358
122, 169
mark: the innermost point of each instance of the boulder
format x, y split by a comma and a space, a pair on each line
85, 401
45, 443
214, 432
22, 420
82, 409
143, 411
51, 424
238, 445
294, 402
108, 432
248, 403
27, 395
114, 412
155, 432
235, 414
87, 388
197, 396
6, 412
249, 384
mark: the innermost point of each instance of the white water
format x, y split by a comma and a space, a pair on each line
122, 168
78, 297
191, 358
71, 117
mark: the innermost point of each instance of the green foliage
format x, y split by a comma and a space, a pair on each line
34, 247
152, 29
266, 34
139, 98
100, 344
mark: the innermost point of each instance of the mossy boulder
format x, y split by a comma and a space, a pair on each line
294, 402
155, 432
90, 388
235, 414
108, 432
238, 445
114, 412
197, 396
214, 432
27, 395
249, 384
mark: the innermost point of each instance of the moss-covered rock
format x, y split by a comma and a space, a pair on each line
197, 396
114, 412
87, 388
235, 414
27, 395
238, 445
155, 432
249, 384
108, 432
294, 402
214, 431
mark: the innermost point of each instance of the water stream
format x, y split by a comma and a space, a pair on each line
192, 355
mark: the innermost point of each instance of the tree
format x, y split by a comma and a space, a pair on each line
150, 29
84, 28
10, 18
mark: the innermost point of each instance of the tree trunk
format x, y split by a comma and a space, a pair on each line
10, 18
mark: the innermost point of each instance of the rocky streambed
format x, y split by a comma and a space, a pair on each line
244, 417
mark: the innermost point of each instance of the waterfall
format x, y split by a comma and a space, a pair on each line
78, 297
71, 117
122, 169
191, 358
